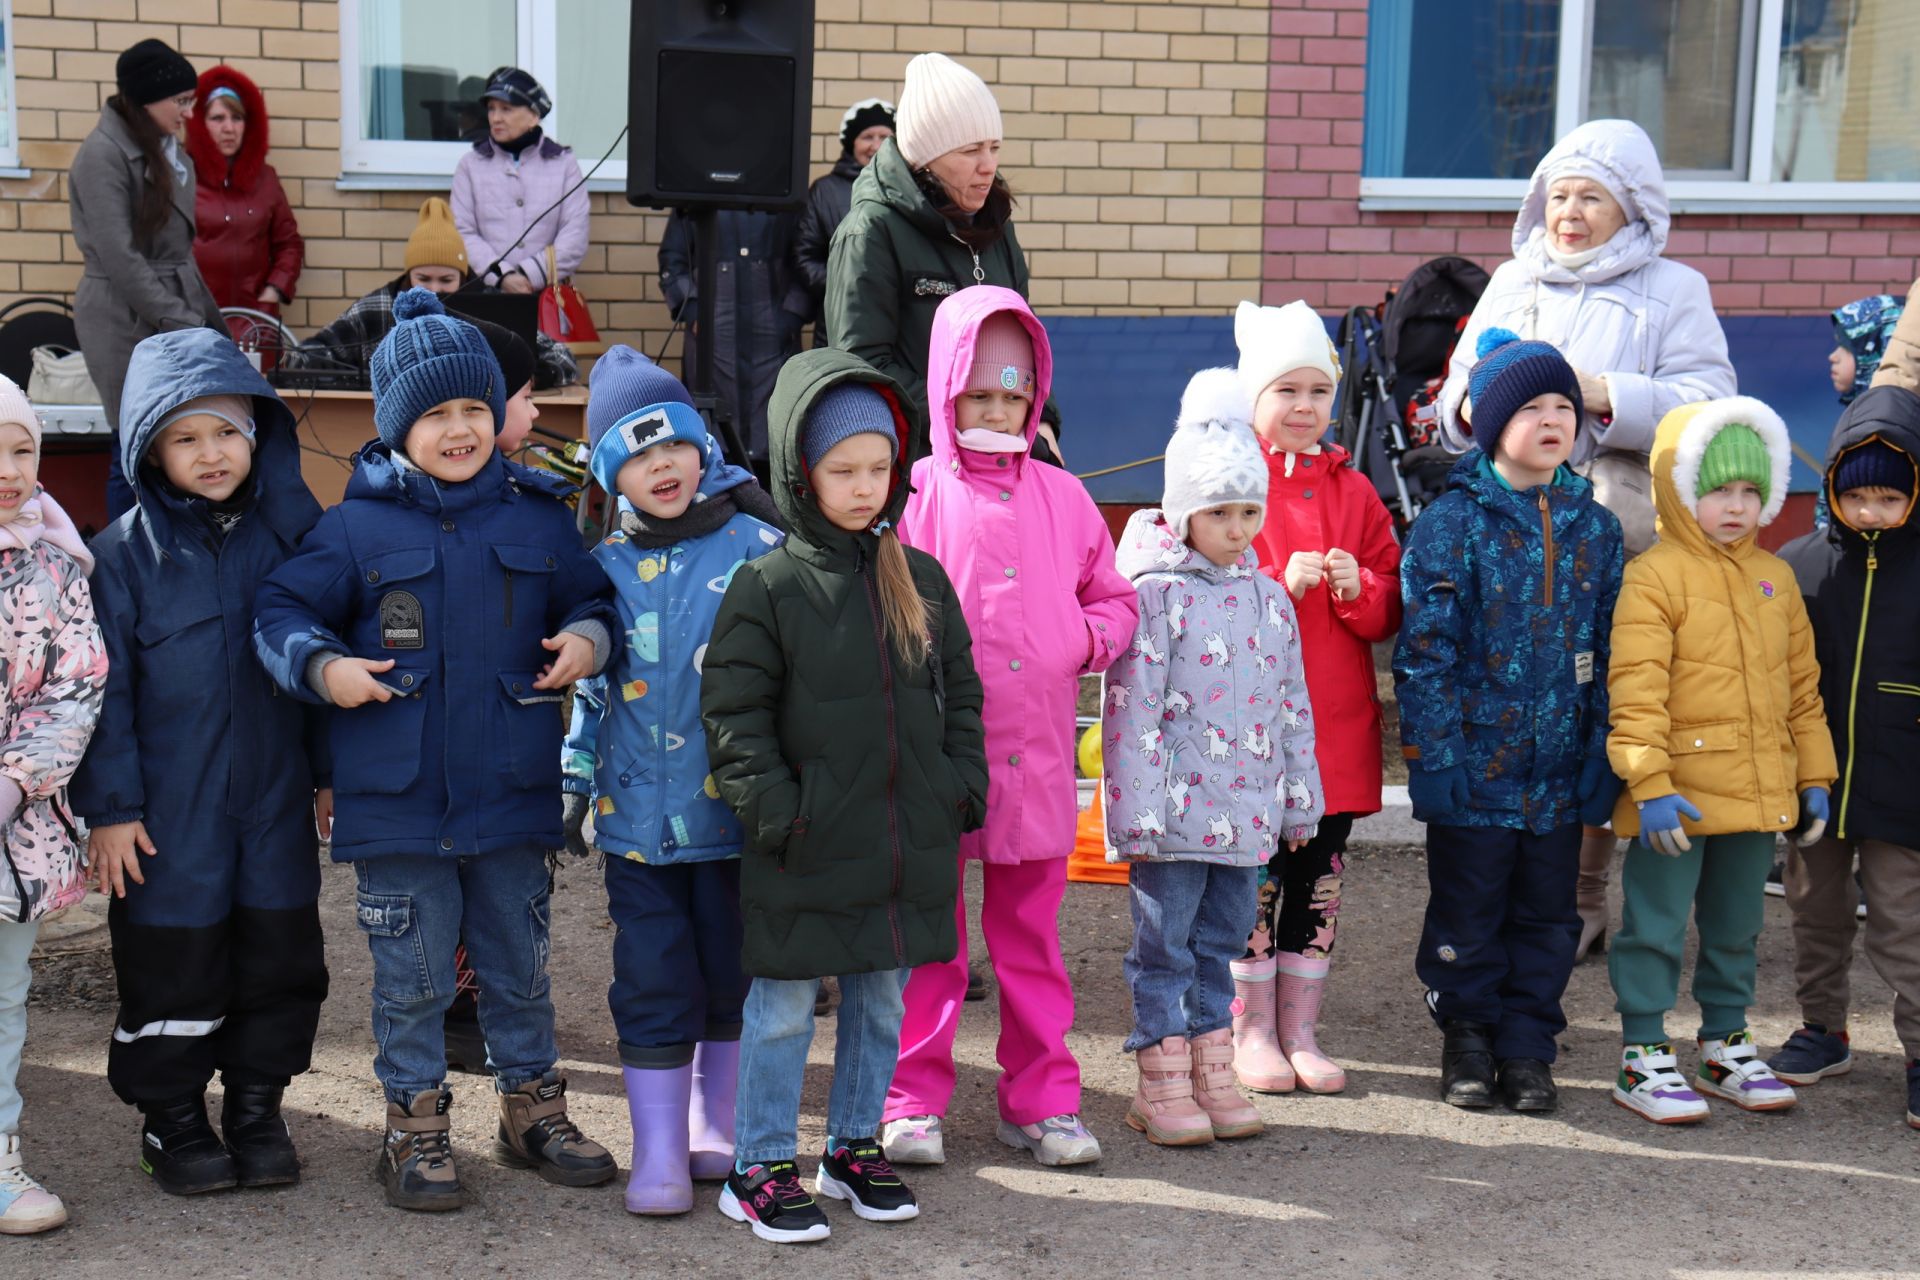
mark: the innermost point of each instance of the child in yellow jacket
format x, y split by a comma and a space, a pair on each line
1721, 739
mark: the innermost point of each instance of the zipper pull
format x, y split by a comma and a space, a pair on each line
1873, 551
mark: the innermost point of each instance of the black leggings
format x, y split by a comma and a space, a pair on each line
1300, 894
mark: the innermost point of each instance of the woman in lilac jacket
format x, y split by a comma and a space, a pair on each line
512, 176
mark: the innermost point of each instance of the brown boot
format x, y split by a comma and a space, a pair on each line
416, 1162
1228, 1114
536, 1134
1590, 890
1163, 1106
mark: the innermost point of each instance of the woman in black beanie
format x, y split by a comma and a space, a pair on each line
132, 187
866, 125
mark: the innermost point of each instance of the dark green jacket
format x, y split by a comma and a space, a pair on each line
894, 260
853, 776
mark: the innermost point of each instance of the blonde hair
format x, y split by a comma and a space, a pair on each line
908, 614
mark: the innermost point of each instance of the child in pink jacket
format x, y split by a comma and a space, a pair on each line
1033, 563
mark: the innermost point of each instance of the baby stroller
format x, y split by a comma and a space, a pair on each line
1393, 359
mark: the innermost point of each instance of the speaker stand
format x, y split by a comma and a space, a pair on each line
706, 273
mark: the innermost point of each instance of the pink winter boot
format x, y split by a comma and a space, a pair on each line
1257, 1059
1163, 1107
1228, 1112
1301, 980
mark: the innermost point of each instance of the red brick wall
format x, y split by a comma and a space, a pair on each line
1318, 244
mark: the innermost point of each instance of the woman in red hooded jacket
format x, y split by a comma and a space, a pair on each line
246, 241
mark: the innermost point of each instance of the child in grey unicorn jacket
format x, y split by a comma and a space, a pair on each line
1208, 747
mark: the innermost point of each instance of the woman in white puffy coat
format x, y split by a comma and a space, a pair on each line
1587, 276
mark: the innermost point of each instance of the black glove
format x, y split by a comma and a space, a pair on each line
573, 816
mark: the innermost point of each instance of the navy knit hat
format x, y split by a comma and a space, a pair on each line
844, 411
624, 380
1875, 464
429, 358
1510, 372
642, 429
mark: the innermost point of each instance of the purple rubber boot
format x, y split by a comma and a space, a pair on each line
716, 1076
657, 1101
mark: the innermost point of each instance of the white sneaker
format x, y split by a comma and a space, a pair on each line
1733, 1069
1650, 1085
1055, 1141
913, 1140
26, 1207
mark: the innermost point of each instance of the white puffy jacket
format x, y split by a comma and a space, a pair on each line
1644, 324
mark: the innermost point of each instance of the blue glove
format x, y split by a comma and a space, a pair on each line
1437, 794
1660, 824
1597, 791
1813, 816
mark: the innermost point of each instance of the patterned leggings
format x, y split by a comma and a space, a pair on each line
1300, 894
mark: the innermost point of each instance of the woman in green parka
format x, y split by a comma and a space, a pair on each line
930, 216
843, 726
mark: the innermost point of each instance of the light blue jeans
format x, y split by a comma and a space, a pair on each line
773, 1060
1190, 923
16, 944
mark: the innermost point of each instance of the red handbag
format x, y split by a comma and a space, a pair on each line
563, 314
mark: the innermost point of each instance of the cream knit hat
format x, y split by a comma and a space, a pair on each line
1277, 340
943, 107
14, 407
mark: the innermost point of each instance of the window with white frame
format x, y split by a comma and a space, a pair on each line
1766, 104
9, 124
411, 75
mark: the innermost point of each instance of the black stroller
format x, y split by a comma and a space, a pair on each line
1393, 360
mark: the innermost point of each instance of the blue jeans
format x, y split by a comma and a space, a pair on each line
16, 945
773, 1060
1190, 923
414, 911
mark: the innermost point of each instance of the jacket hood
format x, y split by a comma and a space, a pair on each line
889, 180
1679, 446
209, 165
1889, 414
802, 381
1474, 476
1621, 150
956, 331
169, 369
1148, 545
379, 474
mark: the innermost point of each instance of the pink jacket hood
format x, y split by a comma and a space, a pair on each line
956, 330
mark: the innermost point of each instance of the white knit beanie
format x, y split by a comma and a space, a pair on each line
1277, 340
1213, 458
15, 407
943, 107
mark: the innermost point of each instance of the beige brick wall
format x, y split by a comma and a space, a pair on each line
1135, 141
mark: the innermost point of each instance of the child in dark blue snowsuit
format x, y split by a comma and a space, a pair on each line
441, 608
199, 785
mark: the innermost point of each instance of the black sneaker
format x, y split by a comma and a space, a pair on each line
976, 986
179, 1149
770, 1199
1777, 880
858, 1173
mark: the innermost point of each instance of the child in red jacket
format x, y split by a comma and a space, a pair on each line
1329, 539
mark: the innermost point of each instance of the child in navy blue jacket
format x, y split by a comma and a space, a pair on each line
685, 520
199, 786
441, 609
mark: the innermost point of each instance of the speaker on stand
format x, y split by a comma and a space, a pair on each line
719, 103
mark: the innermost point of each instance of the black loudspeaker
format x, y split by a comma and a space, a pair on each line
719, 103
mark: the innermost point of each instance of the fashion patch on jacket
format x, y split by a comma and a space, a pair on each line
1502, 661
1207, 727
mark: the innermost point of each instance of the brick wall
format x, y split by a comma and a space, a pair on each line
1317, 244
1135, 141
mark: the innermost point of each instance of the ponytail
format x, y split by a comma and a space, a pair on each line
908, 614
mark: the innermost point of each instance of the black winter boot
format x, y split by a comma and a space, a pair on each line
257, 1136
1466, 1063
1526, 1084
180, 1150
466, 1044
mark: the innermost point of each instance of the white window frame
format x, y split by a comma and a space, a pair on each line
378, 164
10, 155
1757, 193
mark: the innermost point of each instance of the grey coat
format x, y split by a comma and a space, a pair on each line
129, 291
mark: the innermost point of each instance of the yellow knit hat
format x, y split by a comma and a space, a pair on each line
435, 241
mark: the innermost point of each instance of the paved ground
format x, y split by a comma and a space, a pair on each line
1384, 1180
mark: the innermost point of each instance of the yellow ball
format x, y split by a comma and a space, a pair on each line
1089, 754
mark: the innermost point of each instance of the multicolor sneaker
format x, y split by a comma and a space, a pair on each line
26, 1207
1650, 1085
1055, 1141
1811, 1054
1732, 1069
858, 1173
914, 1140
770, 1199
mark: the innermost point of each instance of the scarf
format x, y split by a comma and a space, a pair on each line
700, 519
530, 138
41, 517
985, 440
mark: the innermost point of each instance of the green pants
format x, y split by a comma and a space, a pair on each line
1721, 883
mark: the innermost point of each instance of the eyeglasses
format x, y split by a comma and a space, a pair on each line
184, 102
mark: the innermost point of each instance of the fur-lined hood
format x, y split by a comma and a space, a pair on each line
209, 165
1679, 445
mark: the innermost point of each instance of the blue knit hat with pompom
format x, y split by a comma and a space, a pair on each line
429, 358
1512, 370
